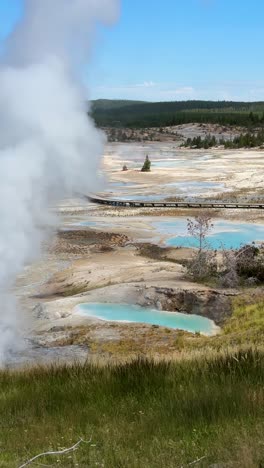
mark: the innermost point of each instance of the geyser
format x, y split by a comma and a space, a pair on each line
48, 146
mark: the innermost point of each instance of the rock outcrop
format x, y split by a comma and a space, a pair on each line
211, 303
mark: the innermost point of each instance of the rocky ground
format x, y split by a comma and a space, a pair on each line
177, 133
119, 259
108, 268
233, 175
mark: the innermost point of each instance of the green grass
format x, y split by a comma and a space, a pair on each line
244, 328
139, 414
247, 323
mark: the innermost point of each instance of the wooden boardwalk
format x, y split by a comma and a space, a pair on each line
185, 205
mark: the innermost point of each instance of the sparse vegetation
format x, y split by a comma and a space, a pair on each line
239, 267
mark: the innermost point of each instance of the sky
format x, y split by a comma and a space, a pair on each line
164, 50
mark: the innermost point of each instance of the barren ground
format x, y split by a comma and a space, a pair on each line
112, 259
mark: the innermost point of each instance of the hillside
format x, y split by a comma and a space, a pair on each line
110, 104
161, 114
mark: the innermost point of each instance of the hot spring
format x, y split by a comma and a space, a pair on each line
136, 314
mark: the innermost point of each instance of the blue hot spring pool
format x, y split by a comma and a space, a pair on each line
225, 234
133, 313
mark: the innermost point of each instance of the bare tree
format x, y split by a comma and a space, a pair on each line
199, 228
203, 262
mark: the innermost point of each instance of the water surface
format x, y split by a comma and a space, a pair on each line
225, 234
133, 313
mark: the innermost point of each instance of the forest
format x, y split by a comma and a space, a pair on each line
133, 114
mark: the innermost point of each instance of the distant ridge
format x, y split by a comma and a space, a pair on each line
108, 104
136, 114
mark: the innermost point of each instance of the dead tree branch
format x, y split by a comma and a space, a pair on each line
197, 461
59, 452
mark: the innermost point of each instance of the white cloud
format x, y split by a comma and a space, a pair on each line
147, 84
148, 90
151, 91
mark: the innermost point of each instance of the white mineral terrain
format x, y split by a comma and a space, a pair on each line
117, 255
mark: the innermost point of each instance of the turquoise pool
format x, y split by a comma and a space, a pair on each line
225, 233
133, 313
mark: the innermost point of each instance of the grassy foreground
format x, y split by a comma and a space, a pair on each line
139, 414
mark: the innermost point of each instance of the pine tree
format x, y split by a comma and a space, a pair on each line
146, 165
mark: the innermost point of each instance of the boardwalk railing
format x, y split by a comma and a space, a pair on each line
150, 204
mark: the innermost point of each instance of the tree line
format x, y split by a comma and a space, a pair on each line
163, 114
244, 140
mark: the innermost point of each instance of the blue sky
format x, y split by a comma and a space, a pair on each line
10, 11
176, 49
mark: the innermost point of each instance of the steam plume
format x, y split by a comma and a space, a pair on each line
48, 146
